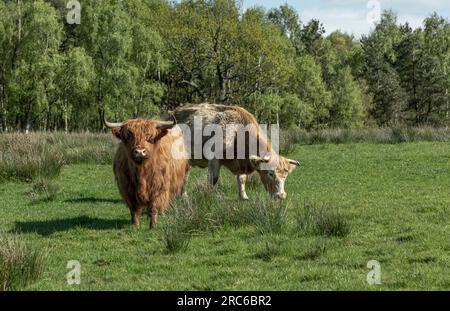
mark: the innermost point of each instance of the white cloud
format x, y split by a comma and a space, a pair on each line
347, 20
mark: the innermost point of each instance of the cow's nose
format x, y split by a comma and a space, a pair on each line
140, 153
281, 195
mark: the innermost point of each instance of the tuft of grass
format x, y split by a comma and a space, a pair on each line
322, 219
42, 190
270, 249
176, 232
20, 264
314, 250
268, 216
207, 209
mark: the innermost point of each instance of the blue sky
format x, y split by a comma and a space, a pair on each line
351, 15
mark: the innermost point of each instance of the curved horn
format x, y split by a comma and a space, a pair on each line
167, 125
256, 158
294, 162
112, 125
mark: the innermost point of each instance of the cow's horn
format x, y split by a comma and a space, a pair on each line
255, 158
167, 125
112, 125
260, 159
294, 162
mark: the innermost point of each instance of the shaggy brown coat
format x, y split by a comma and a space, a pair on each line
147, 174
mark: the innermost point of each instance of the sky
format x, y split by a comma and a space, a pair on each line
357, 16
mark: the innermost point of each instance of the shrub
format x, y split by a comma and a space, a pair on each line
43, 191
322, 219
20, 264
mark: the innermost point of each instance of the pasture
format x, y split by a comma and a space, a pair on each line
392, 202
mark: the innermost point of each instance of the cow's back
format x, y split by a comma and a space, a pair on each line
223, 116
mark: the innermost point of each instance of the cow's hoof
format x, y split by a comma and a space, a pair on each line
244, 197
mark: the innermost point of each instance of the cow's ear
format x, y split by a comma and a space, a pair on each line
161, 134
117, 131
293, 165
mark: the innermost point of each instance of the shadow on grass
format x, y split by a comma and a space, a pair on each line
94, 200
48, 227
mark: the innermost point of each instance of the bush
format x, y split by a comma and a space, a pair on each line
322, 220
43, 191
20, 264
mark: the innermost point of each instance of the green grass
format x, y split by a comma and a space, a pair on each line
395, 199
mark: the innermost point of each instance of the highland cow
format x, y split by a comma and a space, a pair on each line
148, 174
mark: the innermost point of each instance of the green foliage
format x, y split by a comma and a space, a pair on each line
140, 58
20, 263
348, 108
312, 90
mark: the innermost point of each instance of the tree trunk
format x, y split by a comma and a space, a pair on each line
101, 117
222, 86
66, 122
3, 125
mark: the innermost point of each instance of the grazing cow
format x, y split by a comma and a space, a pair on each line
272, 168
147, 173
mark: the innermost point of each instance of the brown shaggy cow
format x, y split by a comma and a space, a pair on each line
147, 173
272, 168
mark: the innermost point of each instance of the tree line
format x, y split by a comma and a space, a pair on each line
139, 58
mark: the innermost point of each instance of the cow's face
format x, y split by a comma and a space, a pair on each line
141, 137
274, 171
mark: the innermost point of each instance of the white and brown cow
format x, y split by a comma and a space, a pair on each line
272, 168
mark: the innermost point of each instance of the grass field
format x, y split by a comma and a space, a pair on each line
394, 198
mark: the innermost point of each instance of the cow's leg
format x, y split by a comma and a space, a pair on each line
136, 216
213, 171
158, 206
152, 215
241, 180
